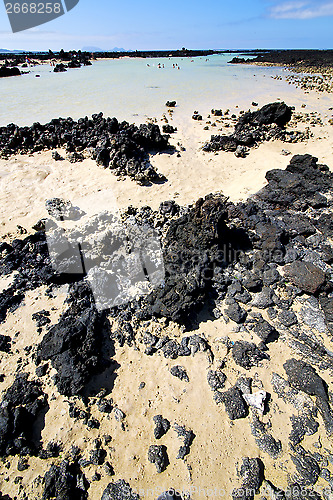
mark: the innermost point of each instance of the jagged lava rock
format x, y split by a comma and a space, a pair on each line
64, 482
21, 405
233, 401
157, 454
74, 345
252, 475
120, 490
305, 276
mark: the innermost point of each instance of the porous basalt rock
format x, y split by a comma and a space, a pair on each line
74, 344
120, 490
251, 474
22, 404
65, 481
119, 146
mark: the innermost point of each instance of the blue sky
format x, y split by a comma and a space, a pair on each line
151, 24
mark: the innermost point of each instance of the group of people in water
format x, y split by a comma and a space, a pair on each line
162, 66
174, 66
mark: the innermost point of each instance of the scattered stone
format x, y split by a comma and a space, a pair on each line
65, 481
56, 156
23, 402
5, 343
306, 467
216, 379
247, 354
235, 313
234, 403
305, 276
257, 400
179, 372
162, 425
187, 436
119, 415
287, 318
252, 475
120, 490
264, 440
157, 454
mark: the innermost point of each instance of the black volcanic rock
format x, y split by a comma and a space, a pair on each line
187, 436
298, 183
120, 490
247, 354
5, 343
179, 372
216, 379
254, 127
74, 345
305, 276
162, 425
64, 482
7, 71
235, 405
157, 455
122, 147
60, 68
22, 404
304, 378
277, 112
252, 475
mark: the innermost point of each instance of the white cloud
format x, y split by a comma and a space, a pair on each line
302, 10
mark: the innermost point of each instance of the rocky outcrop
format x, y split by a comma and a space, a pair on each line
75, 345
9, 71
252, 128
21, 405
121, 147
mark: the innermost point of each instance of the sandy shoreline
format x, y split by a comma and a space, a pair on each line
26, 182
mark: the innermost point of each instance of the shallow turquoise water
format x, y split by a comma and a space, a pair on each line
130, 90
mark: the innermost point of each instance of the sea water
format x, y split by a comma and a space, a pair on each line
136, 89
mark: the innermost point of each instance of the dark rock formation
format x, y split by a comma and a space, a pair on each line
298, 184
216, 379
74, 345
234, 403
157, 454
5, 343
247, 354
265, 441
305, 276
251, 474
121, 147
306, 467
162, 425
65, 481
9, 71
120, 490
179, 372
255, 127
21, 405
187, 436
60, 68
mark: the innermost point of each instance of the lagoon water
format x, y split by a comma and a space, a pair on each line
131, 90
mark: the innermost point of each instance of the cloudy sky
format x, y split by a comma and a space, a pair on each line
150, 24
